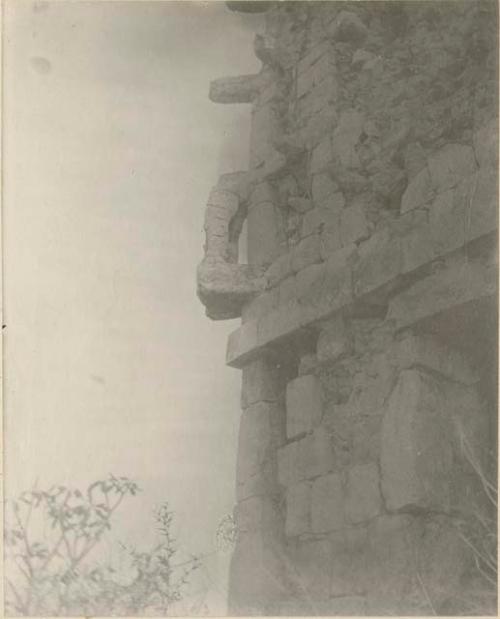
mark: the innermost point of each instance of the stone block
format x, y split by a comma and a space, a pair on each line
346, 137
258, 515
447, 222
262, 192
366, 433
263, 234
259, 382
416, 451
486, 145
330, 242
425, 351
288, 463
309, 283
260, 306
256, 575
363, 501
312, 56
353, 225
287, 291
298, 509
321, 156
348, 27
279, 323
242, 342
319, 125
307, 364
334, 341
445, 289
323, 186
303, 405
261, 432
305, 82
300, 205
379, 264
305, 253
279, 269
338, 280
348, 561
482, 208
449, 165
311, 569
315, 455
327, 504
417, 246
419, 191
389, 574
318, 220
369, 393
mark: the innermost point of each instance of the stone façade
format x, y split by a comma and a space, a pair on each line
368, 305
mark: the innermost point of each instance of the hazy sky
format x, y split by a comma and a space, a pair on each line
111, 146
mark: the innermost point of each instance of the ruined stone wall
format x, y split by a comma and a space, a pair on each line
368, 337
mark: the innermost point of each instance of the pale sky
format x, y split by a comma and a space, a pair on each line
111, 147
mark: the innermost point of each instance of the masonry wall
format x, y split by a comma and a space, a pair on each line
368, 337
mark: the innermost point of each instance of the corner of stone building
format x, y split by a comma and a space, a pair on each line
368, 344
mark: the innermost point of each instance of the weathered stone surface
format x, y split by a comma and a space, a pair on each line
303, 405
288, 464
301, 205
345, 138
242, 342
263, 234
279, 323
298, 509
486, 144
307, 364
425, 351
260, 306
379, 264
237, 89
225, 287
313, 55
416, 240
419, 192
330, 242
481, 214
334, 341
318, 220
445, 289
390, 563
323, 189
416, 457
447, 221
305, 253
259, 382
348, 27
315, 455
363, 501
279, 269
287, 291
449, 165
353, 225
327, 504
348, 561
312, 564
261, 432
321, 156
309, 283
256, 575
